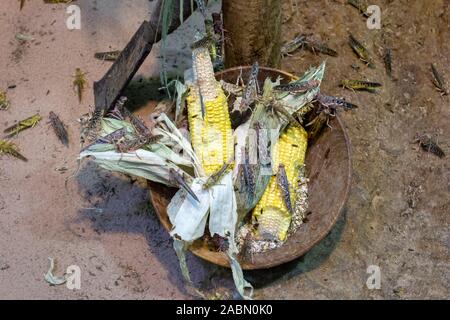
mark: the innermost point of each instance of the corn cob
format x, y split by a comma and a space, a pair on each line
271, 213
211, 134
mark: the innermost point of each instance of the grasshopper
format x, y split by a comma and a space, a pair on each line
387, 58
360, 85
79, 83
215, 177
281, 109
361, 51
177, 179
205, 42
289, 47
231, 88
91, 128
332, 103
113, 138
438, 81
219, 31
143, 137
320, 47
59, 128
316, 125
22, 125
107, 55
428, 145
118, 109
137, 143
9, 148
283, 184
298, 87
248, 174
4, 103
250, 90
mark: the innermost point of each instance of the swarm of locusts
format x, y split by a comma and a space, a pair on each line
246, 179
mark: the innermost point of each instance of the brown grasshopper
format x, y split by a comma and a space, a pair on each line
283, 184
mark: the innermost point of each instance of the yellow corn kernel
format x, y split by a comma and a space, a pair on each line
271, 213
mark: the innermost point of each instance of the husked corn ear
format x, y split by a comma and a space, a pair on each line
211, 135
271, 213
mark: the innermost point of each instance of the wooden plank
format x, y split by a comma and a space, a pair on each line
108, 89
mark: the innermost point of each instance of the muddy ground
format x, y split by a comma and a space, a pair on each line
397, 215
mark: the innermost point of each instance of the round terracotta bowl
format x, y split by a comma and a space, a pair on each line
328, 164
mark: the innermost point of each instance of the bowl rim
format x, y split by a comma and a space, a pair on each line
211, 256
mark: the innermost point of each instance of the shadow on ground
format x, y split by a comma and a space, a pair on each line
121, 204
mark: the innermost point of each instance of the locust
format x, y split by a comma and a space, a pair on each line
438, 81
59, 128
4, 103
360, 6
289, 47
283, 184
248, 174
138, 124
320, 47
262, 144
231, 88
89, 131
219, 31
205, 42
387, 58
23, 125
10, 148
79, 83
215, 177
250, 90
298, 87
209, 28
107, 55
217, 23
117, 110
428, 145
177, 179
112, 138
316, 125
143, 137
361, 51
137, 142
23, 37
280, 108
329, 104
360, 85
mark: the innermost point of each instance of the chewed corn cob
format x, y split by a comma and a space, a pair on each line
209, 121
271, 213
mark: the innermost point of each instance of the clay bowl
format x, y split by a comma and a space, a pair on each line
328, 164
